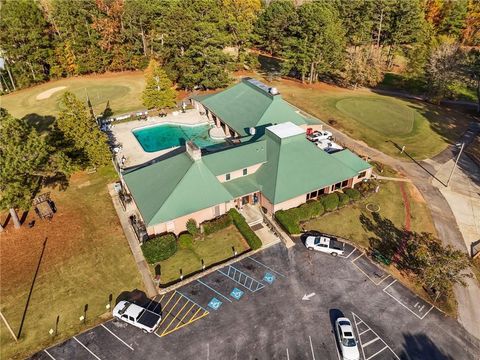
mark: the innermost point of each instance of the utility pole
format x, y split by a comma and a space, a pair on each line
456, 162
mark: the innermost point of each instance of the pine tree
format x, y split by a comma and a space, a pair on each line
87, 143
26, 159
158, 91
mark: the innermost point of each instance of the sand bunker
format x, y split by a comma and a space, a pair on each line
46, 94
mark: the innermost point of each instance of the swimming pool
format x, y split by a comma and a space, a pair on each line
166, 136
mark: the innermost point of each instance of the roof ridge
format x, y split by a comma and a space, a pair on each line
176, 185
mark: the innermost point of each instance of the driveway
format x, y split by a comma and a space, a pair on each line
253, 309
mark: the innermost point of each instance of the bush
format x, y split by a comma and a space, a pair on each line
330, 201
252, 239
289, 220
185, 241
368, 186
159, 248
343, 199
192, 227
212, 226
353, 194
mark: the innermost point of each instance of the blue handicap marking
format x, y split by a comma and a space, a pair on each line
236, 293
269, 278
214, 303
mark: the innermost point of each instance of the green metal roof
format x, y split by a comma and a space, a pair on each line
236, 158
174, 187
242, 186
246, 105
351, 160
295, 166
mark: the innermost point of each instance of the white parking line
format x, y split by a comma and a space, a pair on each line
215, 291
359, 256
346, 257
86, 348
288, 356
123, 342
46, 352
265, 266
336, 346
311, 347
370, 342
405, 306
378, 352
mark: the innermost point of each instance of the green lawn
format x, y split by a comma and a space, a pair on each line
379, 120
346, 221
86, 259
122, 90
212, 249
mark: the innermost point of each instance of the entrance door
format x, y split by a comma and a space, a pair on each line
217, 210
245, 200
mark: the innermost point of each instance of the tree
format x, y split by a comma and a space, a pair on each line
438, 267
26, 160
158, 91
86, 143
362, 67
471, 32
471, 71
25, 41
442, 69
453, 16
192, 227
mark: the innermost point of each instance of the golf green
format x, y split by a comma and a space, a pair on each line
383, 115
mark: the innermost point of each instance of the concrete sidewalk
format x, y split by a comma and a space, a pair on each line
142, 265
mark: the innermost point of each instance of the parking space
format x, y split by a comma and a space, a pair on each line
412, 302
372, 346
178, 311
253, 309
369, 269
349, 251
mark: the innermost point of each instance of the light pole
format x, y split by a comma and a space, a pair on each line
456, 162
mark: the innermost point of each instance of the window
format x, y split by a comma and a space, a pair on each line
245, 172
321, 191
362, 174
227, 177
344, 183
337, 186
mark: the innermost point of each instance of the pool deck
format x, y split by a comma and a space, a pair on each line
133, 151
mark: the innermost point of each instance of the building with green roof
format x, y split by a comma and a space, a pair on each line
278, 170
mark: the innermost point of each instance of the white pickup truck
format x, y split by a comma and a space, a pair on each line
137, 316
324, 243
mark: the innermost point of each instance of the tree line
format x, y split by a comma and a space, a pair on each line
198, 42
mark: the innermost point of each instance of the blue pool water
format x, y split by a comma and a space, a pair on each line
165, 136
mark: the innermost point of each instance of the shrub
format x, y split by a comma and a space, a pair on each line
353, 194
330, 201
159, 248
192, 227
289, 220
343, 199
209, 227
252, 239
185, 241
368, 186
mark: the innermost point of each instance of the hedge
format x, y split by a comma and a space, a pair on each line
159, 248
330, 201
343, 199
185, 241
289, 221
353, 194
212, 226
252, 239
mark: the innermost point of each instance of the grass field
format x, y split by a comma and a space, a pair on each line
122, 90
424, 129
86, 259
212, 249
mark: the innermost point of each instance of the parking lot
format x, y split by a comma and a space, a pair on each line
282, 304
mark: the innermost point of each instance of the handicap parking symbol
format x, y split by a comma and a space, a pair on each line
214, 304
269, 278
236, 293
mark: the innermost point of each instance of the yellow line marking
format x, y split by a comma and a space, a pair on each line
164, 306
188, 323
161, 298
175, 317
191, 319
166, 316
184, 316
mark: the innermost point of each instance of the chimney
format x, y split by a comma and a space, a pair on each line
193, 151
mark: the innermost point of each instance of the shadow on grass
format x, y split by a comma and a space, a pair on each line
41, 123
421, 347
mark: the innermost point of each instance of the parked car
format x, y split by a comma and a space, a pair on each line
137, 316
319, 135
346, 338
324, 243
328, 146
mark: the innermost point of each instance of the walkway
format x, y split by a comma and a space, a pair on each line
142, 265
